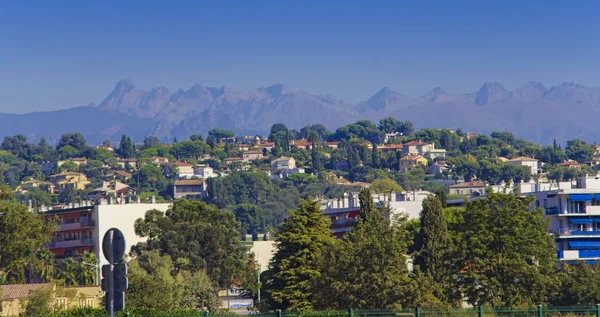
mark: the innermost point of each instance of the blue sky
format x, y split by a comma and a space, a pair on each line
59, 54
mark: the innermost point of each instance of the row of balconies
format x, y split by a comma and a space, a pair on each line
569, 232
588, 210
77, 225
70, 243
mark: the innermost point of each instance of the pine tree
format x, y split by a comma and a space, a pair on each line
293, 268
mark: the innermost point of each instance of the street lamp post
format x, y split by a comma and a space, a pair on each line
97, 267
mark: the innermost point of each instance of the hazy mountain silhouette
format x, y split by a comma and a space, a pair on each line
532, 111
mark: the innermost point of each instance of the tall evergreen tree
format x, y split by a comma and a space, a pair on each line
316, 162
375, 159
367, 268
434, 239
293, 268
442, 197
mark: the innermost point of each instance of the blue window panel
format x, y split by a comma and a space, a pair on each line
578, 245
596, 219
580, 221
586, 254
581, 197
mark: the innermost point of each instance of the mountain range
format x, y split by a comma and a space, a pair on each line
532, 111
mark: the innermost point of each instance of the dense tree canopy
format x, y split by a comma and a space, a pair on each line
196, 236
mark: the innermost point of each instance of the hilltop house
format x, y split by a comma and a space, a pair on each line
187, 187
468, 188
69, 179
528, 162
409, 162
283, 163
251, 156
571, 164
184, 170
204, 171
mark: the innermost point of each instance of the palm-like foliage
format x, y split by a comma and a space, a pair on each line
68, 272
45, 265
87, 269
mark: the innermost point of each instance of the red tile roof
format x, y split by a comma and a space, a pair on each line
181, 164
16, 291
414, 143
181, 182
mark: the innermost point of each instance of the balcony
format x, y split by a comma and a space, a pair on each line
570, 233
77, 225
70, 243
592, 210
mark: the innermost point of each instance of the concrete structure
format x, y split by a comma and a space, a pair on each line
438, 167
528, 162
82, 227
189, 187
343, 211
574, 212
263, 253
468, 188
571, 164
283, 163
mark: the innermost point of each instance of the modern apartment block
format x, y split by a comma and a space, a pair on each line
343, 212
574, 212
82, 226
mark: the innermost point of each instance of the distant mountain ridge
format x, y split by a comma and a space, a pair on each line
532, 111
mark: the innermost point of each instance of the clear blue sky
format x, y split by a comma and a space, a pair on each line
59, 54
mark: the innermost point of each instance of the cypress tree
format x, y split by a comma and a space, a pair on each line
441, 195
434, 238
375, 160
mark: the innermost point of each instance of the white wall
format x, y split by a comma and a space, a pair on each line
412, 208
263, 251
122, 217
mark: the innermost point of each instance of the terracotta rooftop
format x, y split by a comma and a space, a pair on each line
414, 143
181, 182
124, 174
522, 158
181, 164
16, 291
410, 157
469, 184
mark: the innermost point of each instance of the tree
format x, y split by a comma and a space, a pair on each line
74, 140
126, 147
184, 231
440, 194
69, 166
579, 151
367, 268
87, 269
385, 186
150, 142
45, 265
505, 252
22, 235
579, 285
68, 272
196, 137
316, 160
434, 240
293, 268
40, 302
251, 218
219, 134
151, 284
